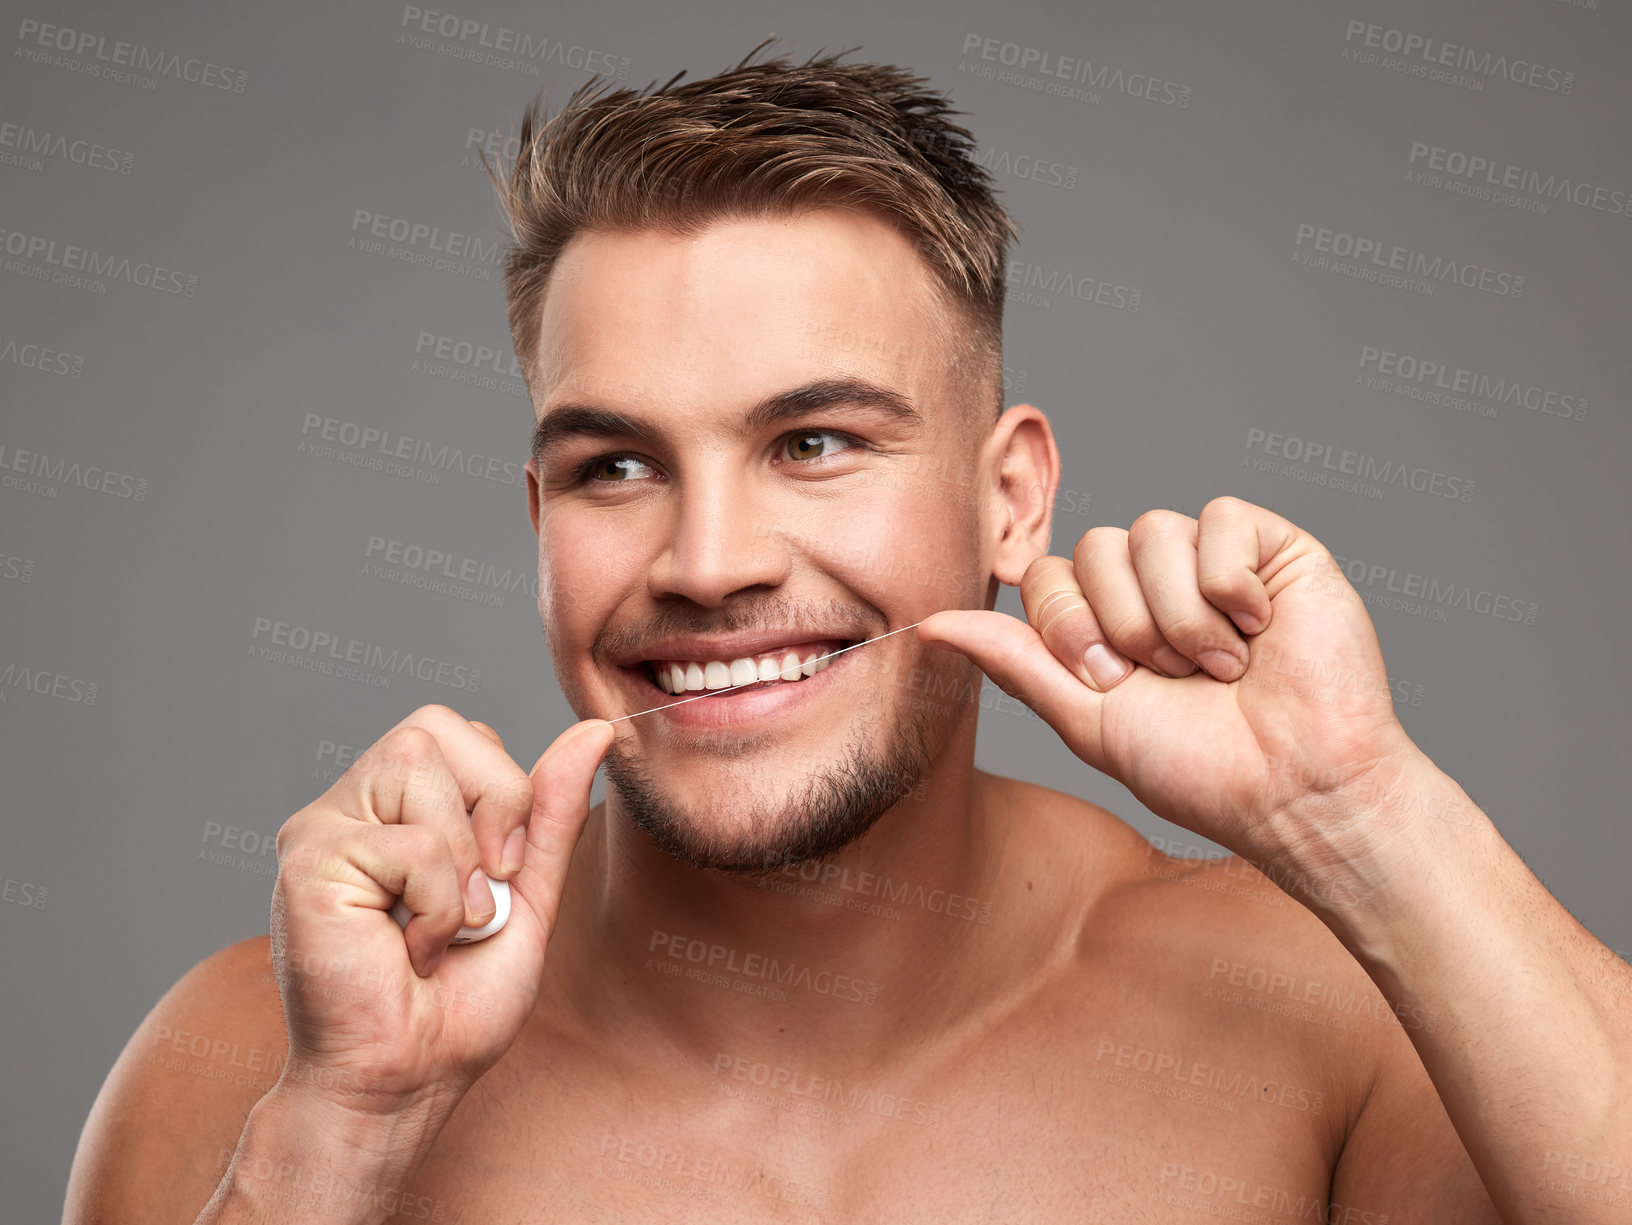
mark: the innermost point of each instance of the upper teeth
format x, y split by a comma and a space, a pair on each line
678, 676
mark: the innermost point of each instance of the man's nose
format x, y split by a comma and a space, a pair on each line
720, 542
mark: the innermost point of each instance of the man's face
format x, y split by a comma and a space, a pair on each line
755, 451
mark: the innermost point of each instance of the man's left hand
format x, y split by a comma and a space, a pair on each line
1290, 702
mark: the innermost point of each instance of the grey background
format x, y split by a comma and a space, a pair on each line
108, 802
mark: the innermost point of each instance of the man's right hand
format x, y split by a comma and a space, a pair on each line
383, 1018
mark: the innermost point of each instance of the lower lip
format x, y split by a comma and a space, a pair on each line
740, 707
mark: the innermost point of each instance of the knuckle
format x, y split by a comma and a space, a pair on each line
1130, 634
513, 794
411, 745
1189, 628
1151, 521
1227, 585
1094, 540
1224, 504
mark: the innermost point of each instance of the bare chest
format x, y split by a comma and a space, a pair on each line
1017, 1133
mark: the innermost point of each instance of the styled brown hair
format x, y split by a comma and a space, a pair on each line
765, 138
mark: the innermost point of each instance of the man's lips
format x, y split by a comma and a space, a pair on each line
740, 705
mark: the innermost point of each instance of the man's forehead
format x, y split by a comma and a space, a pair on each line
743, 307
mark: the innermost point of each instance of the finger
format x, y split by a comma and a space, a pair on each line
1162, 545
1009, 651
1238, 541
487, 731
497, 793
1013, 654
1104, 569
412, 784
328, 863
562, 778
1060, 614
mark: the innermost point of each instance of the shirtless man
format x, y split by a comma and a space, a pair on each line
806, 962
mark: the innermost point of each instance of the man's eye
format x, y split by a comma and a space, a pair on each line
610, 468
812, 444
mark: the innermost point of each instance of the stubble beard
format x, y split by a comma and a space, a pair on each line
817, 816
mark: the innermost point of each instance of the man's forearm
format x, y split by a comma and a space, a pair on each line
1531, 1045
299, 1161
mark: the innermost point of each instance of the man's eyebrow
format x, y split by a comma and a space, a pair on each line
583, 420
828, 393
589, 420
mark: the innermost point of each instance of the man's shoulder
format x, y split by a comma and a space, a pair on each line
1206, 948
170, 1113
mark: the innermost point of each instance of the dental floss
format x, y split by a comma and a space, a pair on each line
728, 688
501, 888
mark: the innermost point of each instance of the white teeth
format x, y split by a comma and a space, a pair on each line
677, 677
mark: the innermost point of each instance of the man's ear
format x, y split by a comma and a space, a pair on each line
532, 493
1019, 512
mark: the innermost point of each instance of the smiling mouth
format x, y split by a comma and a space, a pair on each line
786, 665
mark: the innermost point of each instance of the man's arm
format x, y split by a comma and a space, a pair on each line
187, 1127
1527, 1019
1226, 672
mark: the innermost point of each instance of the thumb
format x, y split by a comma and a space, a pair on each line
1013, 654
562, 779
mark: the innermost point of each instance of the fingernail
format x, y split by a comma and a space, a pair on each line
1248, 623
1171, 662
479, 897
1222, 664
1104, 665
515, 850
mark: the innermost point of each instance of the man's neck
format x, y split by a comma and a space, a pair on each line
836, 957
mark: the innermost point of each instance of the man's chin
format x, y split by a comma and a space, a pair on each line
752, 815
